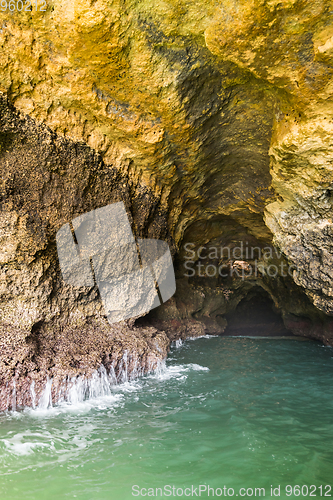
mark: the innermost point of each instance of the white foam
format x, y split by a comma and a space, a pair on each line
45, 400
19, 446
82, 407
177, 343
199, 367
33, 394
207, 336
176, 371
102, 390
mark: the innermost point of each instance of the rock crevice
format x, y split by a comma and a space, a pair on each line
212, 125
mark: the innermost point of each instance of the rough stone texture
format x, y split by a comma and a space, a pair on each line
212, 122
49, 327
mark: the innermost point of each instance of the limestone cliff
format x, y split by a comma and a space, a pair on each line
211, 122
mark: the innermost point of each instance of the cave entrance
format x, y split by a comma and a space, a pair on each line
256, 316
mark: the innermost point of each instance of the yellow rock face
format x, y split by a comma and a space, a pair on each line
224, 110
212, 121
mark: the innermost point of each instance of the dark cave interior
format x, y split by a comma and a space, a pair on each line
256, 315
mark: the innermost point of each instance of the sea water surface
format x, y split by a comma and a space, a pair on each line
224, 413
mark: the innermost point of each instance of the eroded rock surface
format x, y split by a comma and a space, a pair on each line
212, 123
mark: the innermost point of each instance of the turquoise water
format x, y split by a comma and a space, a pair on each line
225, 412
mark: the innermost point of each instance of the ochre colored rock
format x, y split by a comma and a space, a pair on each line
212, 123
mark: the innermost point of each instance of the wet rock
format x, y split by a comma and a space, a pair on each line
212, 126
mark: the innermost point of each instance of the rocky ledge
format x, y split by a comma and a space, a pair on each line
213, 125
